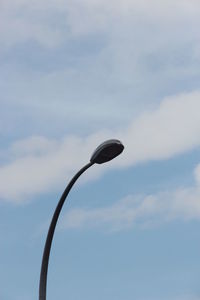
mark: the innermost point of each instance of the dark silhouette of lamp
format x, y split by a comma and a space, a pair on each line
103, 153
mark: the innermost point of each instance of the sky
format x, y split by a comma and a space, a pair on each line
72, 75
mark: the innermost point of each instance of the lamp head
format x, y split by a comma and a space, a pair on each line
107, 151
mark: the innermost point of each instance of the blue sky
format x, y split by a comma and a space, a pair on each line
73, 74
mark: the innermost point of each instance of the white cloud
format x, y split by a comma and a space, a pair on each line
169, 130
38, 164
22, 21
142, 211
63, 58
132, 29
33, 19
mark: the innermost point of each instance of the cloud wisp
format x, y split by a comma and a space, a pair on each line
140, 211
37, 164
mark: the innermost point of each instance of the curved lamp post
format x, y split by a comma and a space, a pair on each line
105, 152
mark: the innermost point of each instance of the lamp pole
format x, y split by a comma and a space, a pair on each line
105, 152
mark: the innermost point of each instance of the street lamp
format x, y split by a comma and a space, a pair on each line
105, 152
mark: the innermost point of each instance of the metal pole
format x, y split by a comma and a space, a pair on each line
47, 248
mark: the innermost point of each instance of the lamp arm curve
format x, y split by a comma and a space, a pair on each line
47, 247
